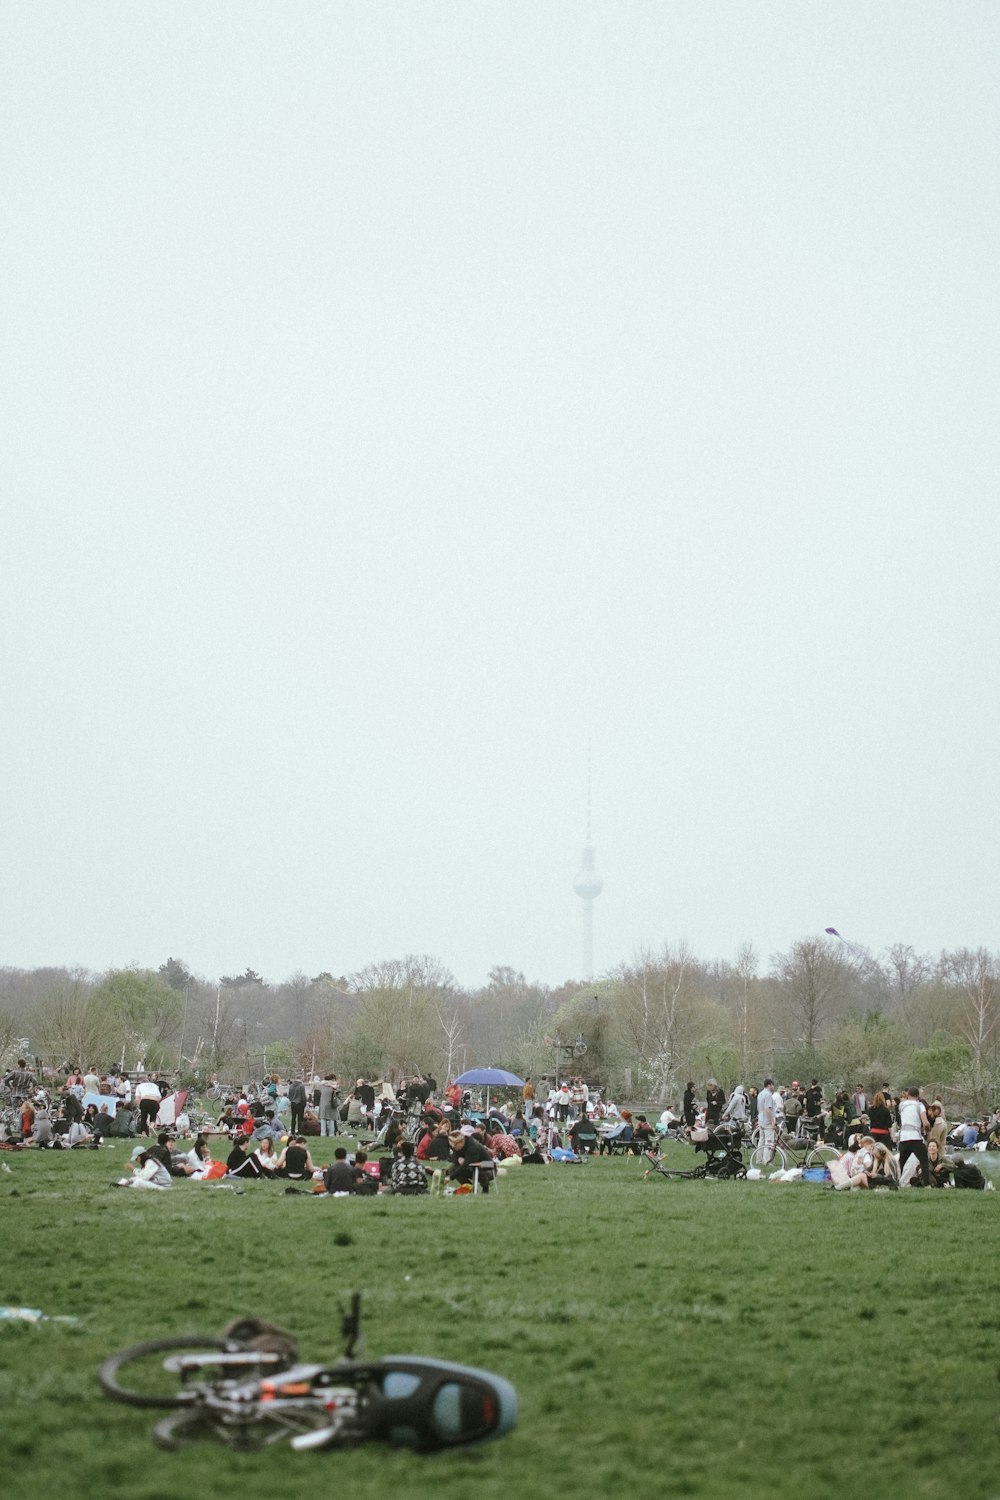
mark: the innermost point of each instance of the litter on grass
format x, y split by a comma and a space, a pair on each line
31, 1315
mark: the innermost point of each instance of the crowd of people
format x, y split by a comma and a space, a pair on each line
447, 1141
887, 1139
421, 1142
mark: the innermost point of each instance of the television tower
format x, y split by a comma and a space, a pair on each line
588, 884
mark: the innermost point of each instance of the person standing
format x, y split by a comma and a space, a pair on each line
714, 1101
580, 1095
147, 1096
859, 1101
528, 1098
688, 1108
329, 1105
736, 1109
366, 1093
20, 1080
913, 1127
297, 1105
938, 1128
766, 1118
880, 1120
814, 1100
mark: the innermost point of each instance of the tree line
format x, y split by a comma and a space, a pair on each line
822, 1008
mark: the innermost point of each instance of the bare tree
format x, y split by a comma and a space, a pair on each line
744, 984
975, 973
816, 982
450, 1021
654, 1004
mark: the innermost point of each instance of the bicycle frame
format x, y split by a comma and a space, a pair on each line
247, 1397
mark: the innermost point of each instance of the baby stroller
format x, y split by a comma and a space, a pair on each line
721, 1145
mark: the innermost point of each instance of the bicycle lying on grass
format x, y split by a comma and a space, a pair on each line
246, 1390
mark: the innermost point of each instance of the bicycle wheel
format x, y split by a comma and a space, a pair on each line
768, 1161
822, 1156
148, 1382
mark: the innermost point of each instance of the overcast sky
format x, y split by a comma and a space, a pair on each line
397, 397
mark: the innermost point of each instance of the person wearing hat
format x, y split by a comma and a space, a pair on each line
469, 1154
147, 1172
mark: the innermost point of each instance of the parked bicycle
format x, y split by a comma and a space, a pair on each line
792, 1151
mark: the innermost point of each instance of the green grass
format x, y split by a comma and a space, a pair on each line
666, 1338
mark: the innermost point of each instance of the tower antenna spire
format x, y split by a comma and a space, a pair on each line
588, 885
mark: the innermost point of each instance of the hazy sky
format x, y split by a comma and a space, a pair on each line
396, 397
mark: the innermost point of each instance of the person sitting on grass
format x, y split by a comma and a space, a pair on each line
295, 1161
147, 1172
194, 1163
368, 1175
434, 1145
885, 1170
267, 1128
240, 1162
340, 1176
41, 1135
407, 1174
941, 1166
859, 1160
426, 1133
161, 1149
395, 1132
266, 1157
78, 1136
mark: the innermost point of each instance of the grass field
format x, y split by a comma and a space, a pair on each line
666, 1338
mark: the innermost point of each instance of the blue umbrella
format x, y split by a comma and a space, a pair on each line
495, 1078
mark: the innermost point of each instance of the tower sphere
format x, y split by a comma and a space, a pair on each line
588, 883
